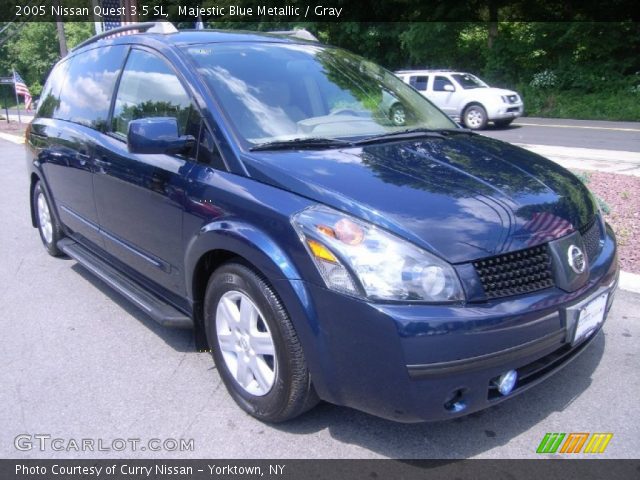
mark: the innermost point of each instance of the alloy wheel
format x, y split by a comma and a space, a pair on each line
246, 343
44, 218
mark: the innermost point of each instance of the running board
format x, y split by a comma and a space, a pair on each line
157, 309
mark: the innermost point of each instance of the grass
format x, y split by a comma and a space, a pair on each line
622, 105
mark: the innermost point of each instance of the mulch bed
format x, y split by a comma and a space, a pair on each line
621, 194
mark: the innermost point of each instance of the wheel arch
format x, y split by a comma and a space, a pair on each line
469, 104
34, 179
226, 240
223, 240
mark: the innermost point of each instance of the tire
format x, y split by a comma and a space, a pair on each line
271, 387
503, 123
48, 227
475, 117
398, 115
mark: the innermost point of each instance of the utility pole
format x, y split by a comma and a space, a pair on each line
61, 38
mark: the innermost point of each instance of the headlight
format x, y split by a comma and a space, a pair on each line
358, 258
505, 98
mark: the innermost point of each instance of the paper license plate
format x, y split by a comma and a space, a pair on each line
591, 315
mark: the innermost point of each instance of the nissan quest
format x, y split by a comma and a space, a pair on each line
324, 229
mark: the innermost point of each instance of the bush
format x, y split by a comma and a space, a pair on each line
543, 80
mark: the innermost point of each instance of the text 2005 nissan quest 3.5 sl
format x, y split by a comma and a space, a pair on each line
328, 232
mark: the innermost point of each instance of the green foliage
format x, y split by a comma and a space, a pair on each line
581, 69
602, 105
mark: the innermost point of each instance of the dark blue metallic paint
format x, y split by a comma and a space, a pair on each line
175, 211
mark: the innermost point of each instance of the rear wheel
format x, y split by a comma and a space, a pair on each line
503, 123
48, 227
255, 347
475, 117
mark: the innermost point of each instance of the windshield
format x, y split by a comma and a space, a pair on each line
468, 81
274, 92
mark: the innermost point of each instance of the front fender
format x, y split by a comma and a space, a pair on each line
263, 252
244, 240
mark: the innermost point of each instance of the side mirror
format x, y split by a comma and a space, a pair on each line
157, 135
448, 88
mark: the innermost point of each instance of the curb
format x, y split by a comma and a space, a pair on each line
12, 138
629, 282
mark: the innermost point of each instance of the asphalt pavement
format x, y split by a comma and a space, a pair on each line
79, 362
591, 134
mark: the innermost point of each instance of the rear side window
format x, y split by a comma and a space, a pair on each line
50, 97
87, 92
418, 82
150, 88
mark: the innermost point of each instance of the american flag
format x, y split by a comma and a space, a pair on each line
110, 22
21, 89
545, 227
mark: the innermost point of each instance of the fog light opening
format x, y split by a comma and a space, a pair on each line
506, 382
456, 402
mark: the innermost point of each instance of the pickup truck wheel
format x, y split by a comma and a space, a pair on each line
255, 347
398, 115
48, 227
475, 117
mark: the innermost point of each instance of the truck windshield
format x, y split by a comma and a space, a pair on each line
273, 92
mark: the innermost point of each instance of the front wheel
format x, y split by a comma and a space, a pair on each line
398, 115
255, 347
50, 232
475, 117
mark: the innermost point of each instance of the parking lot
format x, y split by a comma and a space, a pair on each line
79, 362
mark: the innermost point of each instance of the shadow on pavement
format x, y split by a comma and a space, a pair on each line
495, 128
178, 339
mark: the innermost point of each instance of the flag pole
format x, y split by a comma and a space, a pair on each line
6, 103
17, 98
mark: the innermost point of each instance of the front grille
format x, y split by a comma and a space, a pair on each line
591, 237
512, 109
516, 273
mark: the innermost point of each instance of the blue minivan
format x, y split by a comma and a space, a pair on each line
326, 231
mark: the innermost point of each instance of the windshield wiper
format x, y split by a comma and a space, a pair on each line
456, 131
401, 135
295, 143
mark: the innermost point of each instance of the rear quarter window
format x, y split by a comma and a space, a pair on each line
90, 80
50, 97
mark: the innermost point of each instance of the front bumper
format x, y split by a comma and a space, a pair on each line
506, 111
407, 362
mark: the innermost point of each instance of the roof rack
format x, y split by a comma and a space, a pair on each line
301, 33
148, 27
430, 70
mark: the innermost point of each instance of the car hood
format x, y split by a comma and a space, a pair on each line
462, 197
